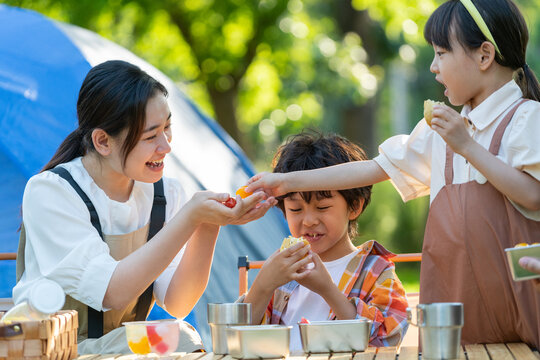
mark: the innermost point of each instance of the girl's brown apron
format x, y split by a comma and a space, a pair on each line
463, 258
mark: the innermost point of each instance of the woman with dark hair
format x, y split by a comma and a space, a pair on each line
101, 221
481, 169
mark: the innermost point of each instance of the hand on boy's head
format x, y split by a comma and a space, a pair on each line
271, 183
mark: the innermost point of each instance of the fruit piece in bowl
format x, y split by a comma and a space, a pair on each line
159, 336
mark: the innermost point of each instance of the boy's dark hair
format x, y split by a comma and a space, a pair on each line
312, 150
506, 24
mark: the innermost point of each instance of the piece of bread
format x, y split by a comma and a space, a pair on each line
291, 240
428, 110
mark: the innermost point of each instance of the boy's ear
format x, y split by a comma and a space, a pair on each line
486, 55
356, 212
101, 141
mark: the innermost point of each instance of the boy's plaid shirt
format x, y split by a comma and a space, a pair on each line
371, 284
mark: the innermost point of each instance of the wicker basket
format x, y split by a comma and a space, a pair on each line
55, 338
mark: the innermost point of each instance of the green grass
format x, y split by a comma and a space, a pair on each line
409, 274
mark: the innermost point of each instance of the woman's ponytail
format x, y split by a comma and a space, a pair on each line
71, 147
527, 81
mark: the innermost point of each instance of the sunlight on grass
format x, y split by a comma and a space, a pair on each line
409, 274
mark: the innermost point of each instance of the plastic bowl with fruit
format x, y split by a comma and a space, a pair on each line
159, 337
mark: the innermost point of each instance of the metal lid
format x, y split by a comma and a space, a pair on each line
46, 296
229, 313
440, 314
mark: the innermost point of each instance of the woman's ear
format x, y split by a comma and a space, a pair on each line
486, 55
101, 141
356, 212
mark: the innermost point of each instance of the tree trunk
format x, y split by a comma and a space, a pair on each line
359, 122
225, 104
359, 126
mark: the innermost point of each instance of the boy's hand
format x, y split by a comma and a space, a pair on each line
272, 184
451, 126
318, 280
284, 266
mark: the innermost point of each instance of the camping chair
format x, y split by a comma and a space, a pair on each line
7, 303
244, 265
410, 338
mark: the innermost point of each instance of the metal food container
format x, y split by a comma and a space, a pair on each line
220, 317
335, 335
258, 341
516, 253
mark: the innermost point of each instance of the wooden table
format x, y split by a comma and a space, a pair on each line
514, 351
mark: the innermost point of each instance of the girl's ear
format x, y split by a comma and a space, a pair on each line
486, 55
356, 212
101, 141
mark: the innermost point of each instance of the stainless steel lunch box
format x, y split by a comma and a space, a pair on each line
258, 341
335, 335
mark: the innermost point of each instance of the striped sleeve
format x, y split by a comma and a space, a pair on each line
382, 299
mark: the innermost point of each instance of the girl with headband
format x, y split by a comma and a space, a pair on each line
481, 168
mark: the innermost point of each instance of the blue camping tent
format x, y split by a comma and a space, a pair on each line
42, 65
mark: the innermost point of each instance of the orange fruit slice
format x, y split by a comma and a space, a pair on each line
242, 192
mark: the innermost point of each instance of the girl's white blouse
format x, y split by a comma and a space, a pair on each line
415, 162
63, 246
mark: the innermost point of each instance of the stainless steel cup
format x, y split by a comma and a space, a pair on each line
220, 317
440, 326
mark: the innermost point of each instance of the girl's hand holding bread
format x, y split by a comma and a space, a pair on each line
449, 124
428, 110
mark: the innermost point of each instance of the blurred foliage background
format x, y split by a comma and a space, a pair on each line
267, 69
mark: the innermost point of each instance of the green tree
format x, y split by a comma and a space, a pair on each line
267, 69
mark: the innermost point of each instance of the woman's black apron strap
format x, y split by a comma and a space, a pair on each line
157, 220
64, 174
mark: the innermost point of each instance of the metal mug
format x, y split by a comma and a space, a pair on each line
220, 317
439, 326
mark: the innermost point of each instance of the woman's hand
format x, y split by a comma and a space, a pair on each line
255, 207
451, 126
209, 207
273, 184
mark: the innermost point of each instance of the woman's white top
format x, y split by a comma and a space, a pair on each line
62, 244
415, 162
310, 305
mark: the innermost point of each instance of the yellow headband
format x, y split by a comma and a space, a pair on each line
480, 22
